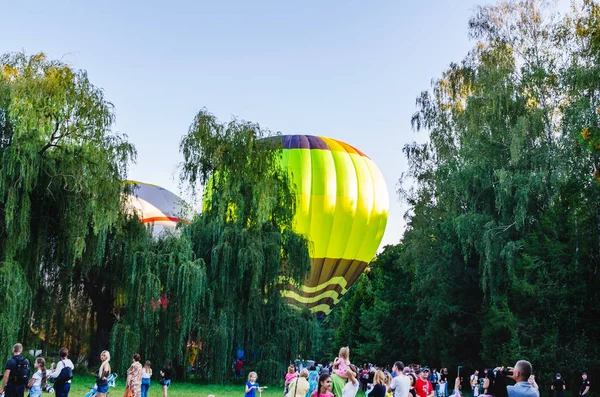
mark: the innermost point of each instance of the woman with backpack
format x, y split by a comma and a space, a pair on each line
62, 374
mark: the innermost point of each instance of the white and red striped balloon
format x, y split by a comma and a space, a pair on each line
157, 206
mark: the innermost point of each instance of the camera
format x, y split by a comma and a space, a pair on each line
505, 371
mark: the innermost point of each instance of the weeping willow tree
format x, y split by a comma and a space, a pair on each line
245, 239
216, 282
61, 168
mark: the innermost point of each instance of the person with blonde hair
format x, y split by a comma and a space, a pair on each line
103, 372
379, 384
252, 385
146, 375
289, 377
299, 386
339, 376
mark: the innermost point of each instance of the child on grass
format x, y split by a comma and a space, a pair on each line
252, 385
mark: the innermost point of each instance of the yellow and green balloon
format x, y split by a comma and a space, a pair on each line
342, 206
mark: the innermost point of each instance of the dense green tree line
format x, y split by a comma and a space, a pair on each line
78, 270
500, 257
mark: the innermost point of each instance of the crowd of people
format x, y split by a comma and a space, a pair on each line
341, 378
16, 378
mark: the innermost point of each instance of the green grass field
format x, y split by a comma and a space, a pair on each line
82, 384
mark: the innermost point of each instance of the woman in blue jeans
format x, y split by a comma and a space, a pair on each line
146, 375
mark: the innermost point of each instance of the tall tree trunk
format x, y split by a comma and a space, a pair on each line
102, 303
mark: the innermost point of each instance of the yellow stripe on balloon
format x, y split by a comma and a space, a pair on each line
308, 300
341, 281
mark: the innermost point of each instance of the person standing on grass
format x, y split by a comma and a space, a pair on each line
379, 385
252, 385
558, 385
166, 375
584, 389
289, 377
103, 373
423, 386
61, 389
134, 376
16, 374
299, 386
400, 383
146, 375
38, 380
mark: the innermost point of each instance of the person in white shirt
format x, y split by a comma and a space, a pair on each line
474, 381
351, 387
400, 383
61, 390
38, 380
146, 375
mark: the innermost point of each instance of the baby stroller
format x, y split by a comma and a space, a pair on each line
111, 383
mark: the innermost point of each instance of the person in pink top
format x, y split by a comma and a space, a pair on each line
289, 377
342, 362
324, 389
339, 377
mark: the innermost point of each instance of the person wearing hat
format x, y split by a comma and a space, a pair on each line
558, 385
423, 387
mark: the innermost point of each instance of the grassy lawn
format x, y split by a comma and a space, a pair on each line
81, 385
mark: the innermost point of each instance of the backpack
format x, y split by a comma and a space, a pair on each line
65, 375
20, 375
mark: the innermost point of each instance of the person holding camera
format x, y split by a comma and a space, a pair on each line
520, 374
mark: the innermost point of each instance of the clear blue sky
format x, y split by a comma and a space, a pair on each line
349, 70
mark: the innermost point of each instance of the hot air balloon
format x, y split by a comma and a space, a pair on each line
342, 206
157, 206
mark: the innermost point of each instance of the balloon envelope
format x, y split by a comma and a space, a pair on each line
157, 206
342, 206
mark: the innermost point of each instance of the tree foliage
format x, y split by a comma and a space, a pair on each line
93, 277
60, 184
499, 261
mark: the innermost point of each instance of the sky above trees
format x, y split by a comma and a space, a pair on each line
345, 69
